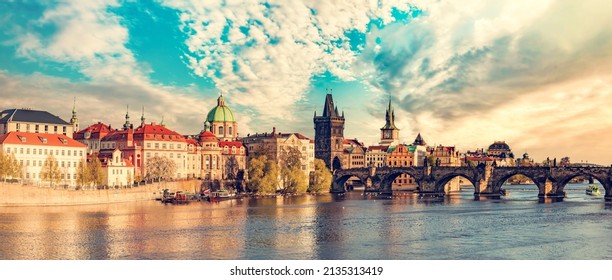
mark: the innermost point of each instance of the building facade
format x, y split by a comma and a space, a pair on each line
32, 150
389, 134
222, 122
329, 135
119, 172
92, 136
34, 121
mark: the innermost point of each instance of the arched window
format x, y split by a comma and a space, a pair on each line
221, 130
230, 130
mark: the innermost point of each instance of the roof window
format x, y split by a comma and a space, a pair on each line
42, 139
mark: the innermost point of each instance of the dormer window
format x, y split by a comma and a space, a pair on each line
64, 141
42, 139
21, 138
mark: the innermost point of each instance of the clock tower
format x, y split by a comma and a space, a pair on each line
389, 134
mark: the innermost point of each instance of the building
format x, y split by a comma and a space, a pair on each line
32, 150
420, 151
119, 172
402, 155
389, 134
34, 121
140, 144
502, 153
222, 122
92, 136
276, 144
329, 135
376, 156
445, 155
211, 161
354, 153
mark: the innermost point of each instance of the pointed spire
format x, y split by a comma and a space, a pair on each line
162, 121
74, 108
328, 110
418, 141
74, 120
126, 125
142, 118
390, 117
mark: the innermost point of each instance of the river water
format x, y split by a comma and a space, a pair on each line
352, 226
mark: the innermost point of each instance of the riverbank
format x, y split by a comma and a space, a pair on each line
24, 195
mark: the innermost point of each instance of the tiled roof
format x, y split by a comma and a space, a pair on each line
230, 143
33, 116
151, 131
44, 139
379, 148
97, 130
298, 135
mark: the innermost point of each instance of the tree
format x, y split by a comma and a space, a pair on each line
231, 168
50, 171
96, 174
431, 161
83, 173
270, 179
4, 165
160, 167
256, 172
565, 161
321, 178
292, 178
16, 170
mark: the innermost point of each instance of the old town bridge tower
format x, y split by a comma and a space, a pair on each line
329, 134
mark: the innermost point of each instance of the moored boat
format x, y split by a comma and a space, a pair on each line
593, 190
220, 195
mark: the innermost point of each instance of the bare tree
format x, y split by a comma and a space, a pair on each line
51, 171
160, 167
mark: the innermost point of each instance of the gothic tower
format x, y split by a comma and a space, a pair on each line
389, 134
329, 135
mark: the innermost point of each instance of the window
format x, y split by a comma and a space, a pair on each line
8, 150
64, 129
156, 145
148, 145
28, 151
171, 146
230, 130
178, 146
164, 146
69, 152
55, 128
21, 150
28, 127
46, 128
33, 151
221, 130
36, 128
17, 126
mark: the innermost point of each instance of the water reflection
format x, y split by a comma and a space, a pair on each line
349, 226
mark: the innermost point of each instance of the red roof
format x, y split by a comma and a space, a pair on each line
44, 139
380, 148
97, 127
207, 136
237, 144
154, 131
192, 142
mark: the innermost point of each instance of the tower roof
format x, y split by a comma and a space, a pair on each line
390, 117
329, 110
220, 113
418, 141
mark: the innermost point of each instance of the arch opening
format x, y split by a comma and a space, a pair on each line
336, 164
582, 185
455, 183
401, 182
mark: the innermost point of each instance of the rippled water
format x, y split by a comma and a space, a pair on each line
353, 226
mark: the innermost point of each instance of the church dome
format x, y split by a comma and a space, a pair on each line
499, 145
220, 113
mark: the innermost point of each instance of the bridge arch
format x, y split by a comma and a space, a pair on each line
442, 181
537, 179
563, 181
386, 184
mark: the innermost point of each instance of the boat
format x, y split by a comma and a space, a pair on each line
593, 190
220, 195
178, 197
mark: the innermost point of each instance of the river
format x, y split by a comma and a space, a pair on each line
352, 226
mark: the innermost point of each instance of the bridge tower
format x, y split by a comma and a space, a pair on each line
329, 134
389, 134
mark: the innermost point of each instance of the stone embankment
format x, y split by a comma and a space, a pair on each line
24, 195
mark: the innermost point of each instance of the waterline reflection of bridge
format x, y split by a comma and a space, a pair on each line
487, 180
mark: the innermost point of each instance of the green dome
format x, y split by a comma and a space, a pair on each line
220, 113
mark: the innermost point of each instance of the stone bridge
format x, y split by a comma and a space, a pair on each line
487, 180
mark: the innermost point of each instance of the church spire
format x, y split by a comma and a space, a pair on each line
74, 120
142, 118
390, 117
126, 125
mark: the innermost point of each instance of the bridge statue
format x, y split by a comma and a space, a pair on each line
487, 180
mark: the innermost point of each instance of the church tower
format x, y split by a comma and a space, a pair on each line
74, 121
329, 135
389, 134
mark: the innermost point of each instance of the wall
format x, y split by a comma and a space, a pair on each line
21, 195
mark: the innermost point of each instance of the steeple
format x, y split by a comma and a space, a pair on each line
162, 121
418, 141
74, 120
329, 110
142, 118
390, 117
221, 100
126, 125
389, 134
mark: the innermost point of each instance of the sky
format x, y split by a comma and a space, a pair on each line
535, 74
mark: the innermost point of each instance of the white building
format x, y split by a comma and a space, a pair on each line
27, 120
119, 171
32, 149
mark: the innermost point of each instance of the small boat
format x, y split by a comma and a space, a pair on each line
178, 197
220, 195
593, 190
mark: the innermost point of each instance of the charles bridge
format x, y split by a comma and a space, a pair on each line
487, 180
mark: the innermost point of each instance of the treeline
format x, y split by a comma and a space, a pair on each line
266, 176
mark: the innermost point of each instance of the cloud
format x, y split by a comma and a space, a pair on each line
263, 52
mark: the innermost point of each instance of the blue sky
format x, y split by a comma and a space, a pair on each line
536, 74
